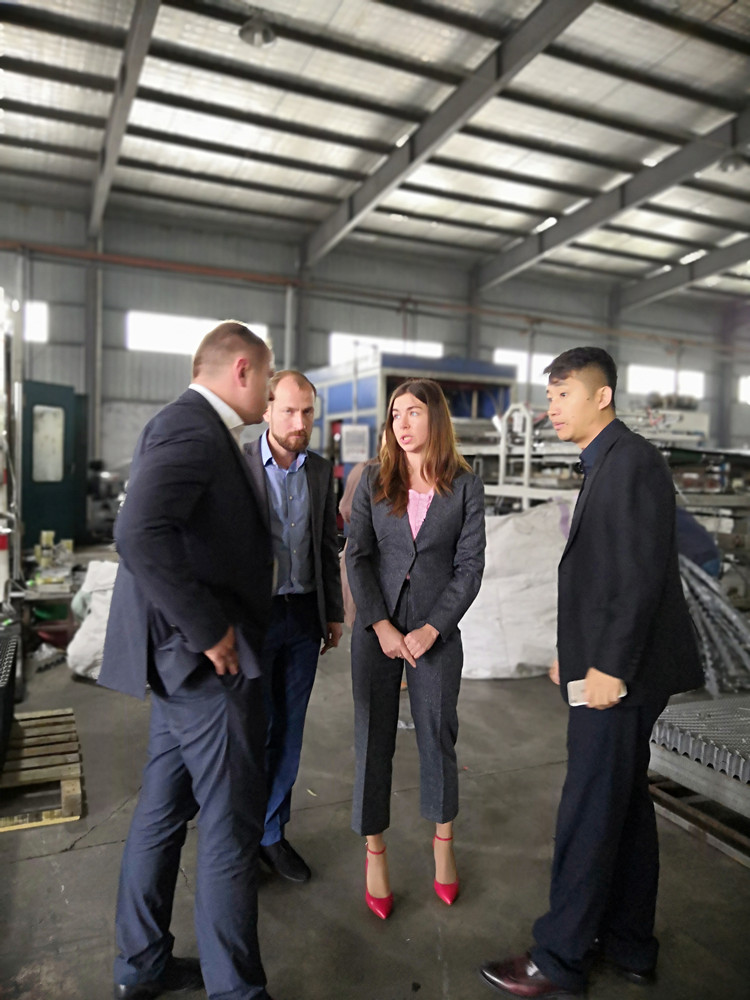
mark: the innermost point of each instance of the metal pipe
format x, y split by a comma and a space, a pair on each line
323, 289
289, 304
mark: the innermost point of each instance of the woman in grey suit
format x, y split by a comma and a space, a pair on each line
415, 561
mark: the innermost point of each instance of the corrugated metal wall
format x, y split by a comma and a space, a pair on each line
135, 384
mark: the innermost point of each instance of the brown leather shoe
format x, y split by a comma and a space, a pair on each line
520, 977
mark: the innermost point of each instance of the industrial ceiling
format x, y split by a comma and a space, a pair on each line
605, 141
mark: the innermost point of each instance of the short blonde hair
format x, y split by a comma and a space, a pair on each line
224, 342
299, 378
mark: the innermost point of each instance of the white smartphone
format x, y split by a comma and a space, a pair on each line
577, 695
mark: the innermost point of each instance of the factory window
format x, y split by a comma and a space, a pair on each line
644, 379
343, 347
36, 322
168, 334
520, 360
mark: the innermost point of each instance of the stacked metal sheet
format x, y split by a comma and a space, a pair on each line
713, 733
723, 633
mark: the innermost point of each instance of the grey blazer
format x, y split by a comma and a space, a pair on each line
444, 563
323, 527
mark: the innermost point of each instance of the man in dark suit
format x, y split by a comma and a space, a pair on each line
622, 618
189, 610
300, 511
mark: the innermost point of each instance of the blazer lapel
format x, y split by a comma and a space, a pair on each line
585, 493
253, 465
257, 487
315, 492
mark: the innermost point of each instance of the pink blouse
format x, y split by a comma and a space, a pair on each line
416, 508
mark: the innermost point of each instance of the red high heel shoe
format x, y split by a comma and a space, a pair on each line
381, 906
447, 891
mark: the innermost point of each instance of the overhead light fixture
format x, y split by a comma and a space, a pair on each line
547, 224
258, 32
576, 206
664, 269
693, 256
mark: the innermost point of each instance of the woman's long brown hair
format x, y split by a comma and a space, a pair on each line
441, 462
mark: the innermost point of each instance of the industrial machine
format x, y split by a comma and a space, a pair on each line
352, 398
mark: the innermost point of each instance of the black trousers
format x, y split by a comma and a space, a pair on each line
605, 869
433, 695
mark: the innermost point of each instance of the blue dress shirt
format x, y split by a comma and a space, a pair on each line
289, 498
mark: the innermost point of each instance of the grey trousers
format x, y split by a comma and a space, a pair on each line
433, 695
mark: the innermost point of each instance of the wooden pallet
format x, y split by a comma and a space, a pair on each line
40, 783
708, 820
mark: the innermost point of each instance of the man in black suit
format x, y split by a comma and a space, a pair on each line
622, 618
188, 614
307, 606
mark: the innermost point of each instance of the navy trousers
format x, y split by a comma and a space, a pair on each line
289, 664
205, 756
605, 870
433, 696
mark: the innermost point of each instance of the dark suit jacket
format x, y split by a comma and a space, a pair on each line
445, 562
323, 527
621, 606
195, 554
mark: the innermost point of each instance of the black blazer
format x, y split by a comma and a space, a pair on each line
195, 554
322, 525
621, 606
445, 562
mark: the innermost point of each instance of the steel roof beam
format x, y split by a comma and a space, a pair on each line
485, 29
111, 37
533, 35
700, 30
297, 31
645, 234
59, 149
57, 74
618, 123
61, 24
133, 57
681, 275
195, 59
696, 218
649, 182
218, 180
224, 149
106, 84
212, 109
11, 106
243, 153
214, 206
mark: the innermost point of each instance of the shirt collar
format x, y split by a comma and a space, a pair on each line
267, 455
592, 449
230, 417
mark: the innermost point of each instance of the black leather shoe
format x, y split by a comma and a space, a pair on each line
641, 977
180, 975
521, 977
284, 860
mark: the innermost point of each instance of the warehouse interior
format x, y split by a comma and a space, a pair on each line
464, 188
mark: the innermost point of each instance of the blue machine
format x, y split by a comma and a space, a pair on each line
357, 393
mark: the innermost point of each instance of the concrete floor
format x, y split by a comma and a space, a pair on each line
319, 942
